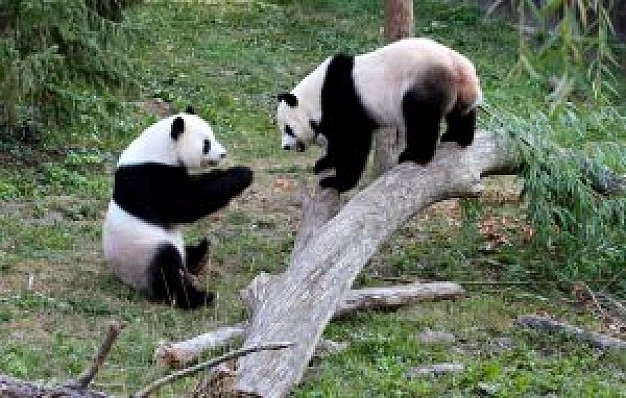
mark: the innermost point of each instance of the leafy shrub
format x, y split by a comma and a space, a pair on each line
575, 37
45, 46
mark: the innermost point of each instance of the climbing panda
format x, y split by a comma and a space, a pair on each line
409, 85
160, 184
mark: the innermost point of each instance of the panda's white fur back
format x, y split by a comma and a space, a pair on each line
410, 86
383, 76
129, 245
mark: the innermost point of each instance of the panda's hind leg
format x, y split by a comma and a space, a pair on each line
461, 127
197, 256
172, 283
422, 111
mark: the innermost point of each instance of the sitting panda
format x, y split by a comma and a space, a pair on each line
159, 186
409, 85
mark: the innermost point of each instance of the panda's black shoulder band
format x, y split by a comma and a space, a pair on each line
315, 126
178, 126
289, 98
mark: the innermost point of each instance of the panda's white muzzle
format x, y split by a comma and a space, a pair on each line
299, 146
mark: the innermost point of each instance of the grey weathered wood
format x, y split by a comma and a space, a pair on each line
15, 388
316, 211
556, 327
182, 353
390, 297
304, 298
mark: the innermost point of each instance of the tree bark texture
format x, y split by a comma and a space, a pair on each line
182, 353
552, 326
14, 388
385, 298
305, 297
398, 19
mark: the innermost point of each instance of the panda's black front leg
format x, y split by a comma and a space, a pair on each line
461, 127
349, 166
172, 283
196, 256
206, 193
422, 116
324, 163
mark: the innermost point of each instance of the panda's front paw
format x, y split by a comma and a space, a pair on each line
196, 299
421, 158
341, 185
241, 175
329, 182
322, 164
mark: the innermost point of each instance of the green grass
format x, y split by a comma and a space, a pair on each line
229, 59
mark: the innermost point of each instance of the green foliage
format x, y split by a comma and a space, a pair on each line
574, 38
576, 226
50, 48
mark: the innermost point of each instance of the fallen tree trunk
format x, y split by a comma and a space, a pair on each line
181, 353
552, 326
176, 355
15, 388
395, 296
297, 305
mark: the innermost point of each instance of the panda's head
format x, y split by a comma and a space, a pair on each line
194, 143
298, 129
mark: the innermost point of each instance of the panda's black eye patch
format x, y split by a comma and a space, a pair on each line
206, 147
289, 131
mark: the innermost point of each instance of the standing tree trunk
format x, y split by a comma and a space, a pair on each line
398, 19
398, 24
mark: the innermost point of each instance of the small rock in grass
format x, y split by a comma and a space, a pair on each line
436, 369
435, 337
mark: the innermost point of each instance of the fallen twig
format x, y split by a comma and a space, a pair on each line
83, 380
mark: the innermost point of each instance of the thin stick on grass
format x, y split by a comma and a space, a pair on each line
145, 392
82, 382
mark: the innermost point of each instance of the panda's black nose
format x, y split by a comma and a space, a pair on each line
286, 147
222, 155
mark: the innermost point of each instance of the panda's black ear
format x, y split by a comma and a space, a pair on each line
189, 110
178, 126
289, 98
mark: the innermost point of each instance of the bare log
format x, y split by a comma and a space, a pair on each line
550, 325
15, 388
182, 353
316, 211
306, 296
175, 355
396, 296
